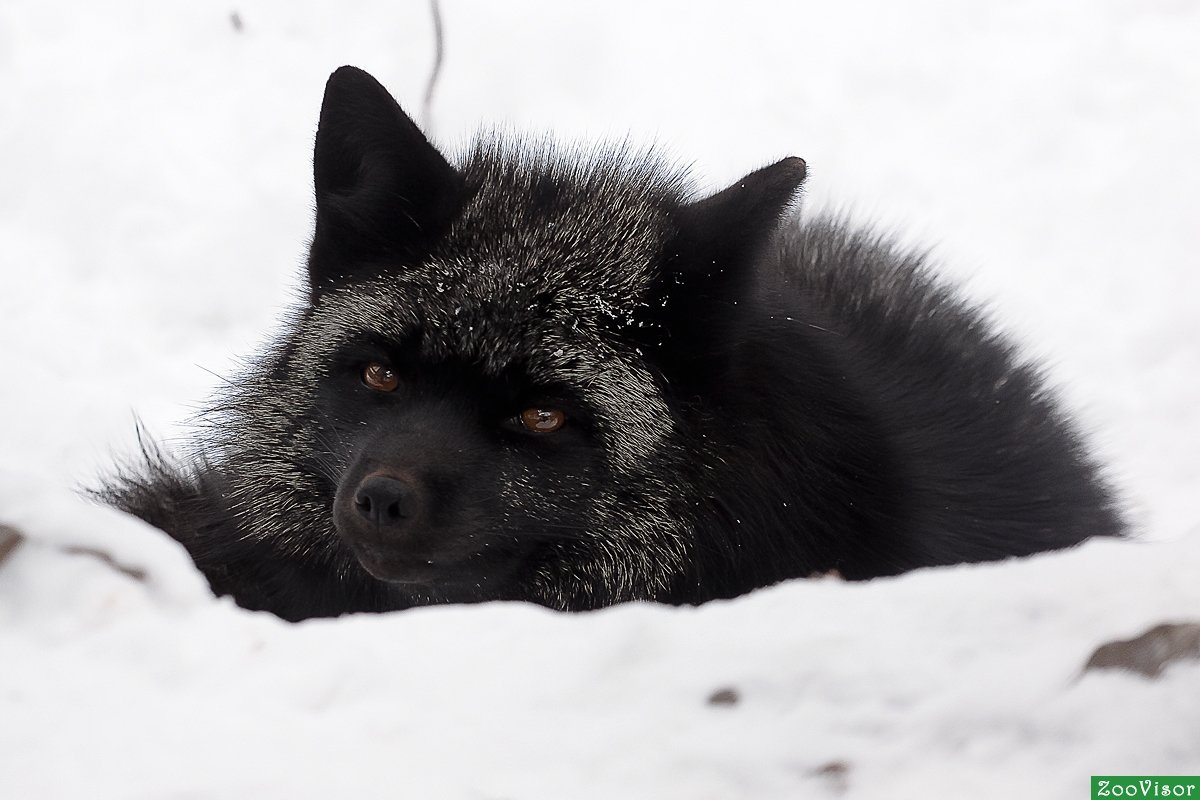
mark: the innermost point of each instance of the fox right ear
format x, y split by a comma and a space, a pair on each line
383, 192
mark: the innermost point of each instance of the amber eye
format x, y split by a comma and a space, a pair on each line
542, 420
380, 378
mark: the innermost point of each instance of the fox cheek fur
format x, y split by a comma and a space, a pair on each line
737, 397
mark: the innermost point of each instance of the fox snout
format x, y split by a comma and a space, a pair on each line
416, 498
383, 515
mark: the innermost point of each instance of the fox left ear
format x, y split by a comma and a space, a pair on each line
383, 192
719, 233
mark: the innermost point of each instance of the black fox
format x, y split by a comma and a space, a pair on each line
551, 375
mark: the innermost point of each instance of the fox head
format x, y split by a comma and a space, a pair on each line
493, 385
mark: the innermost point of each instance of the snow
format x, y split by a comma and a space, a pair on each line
154, 208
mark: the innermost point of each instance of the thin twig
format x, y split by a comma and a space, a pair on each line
427, 108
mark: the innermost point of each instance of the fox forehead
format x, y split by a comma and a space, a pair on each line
478, 317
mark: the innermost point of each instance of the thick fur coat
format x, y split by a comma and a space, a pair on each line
552, 375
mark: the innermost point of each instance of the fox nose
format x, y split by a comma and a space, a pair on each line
384, 501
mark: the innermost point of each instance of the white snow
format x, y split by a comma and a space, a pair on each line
154, 207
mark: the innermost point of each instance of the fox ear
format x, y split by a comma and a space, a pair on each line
711, 262
382, 190
713, 252
719, 234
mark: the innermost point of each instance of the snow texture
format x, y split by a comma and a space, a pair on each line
154, 209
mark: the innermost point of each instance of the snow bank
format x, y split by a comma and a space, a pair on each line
962, 680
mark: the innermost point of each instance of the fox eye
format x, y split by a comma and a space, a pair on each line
379, 377
542, 420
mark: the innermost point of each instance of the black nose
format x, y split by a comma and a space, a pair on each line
384, 500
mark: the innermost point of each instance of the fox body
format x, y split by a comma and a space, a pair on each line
552, 375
